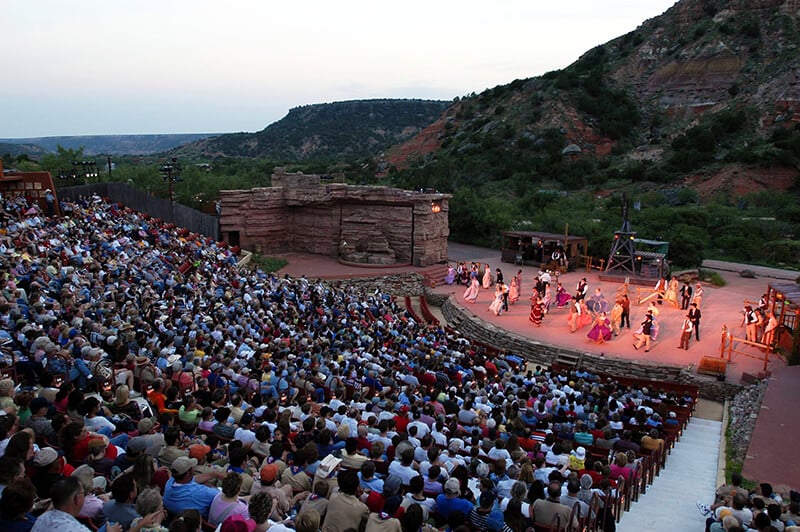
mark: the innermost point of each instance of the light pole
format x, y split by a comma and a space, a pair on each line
171, 173
88, 170
69, 175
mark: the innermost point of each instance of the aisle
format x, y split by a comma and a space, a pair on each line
690, 476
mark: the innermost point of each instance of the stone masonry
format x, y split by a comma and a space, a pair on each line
364, 224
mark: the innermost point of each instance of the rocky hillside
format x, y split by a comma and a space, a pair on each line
332, 131
710, 87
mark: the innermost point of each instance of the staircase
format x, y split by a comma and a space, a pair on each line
690, 476
434, 274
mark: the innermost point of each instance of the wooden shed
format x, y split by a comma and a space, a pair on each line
534, 248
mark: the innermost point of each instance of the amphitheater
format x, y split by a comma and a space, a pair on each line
696, 464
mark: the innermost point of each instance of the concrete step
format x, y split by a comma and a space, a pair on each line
690, 476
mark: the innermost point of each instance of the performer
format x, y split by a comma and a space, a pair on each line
498, 277
769, 330
537, 309
514, 289
698, 295
548, 297
471, 293
694, 315
585, 316
671, 295
450, 277
601, 331
626, 311
562, 296
504, 288
686, 295
686, 333
581, 289
751, 324
597, 303
616, 316
642, 336
661, 288
487, 277
574, 315
496, 307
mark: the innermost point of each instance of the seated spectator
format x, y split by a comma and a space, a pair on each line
67, 498
416, 495
544, 509
171, 450
227, 502
317, 502
92, 504
344, 509
124, 405
16, 504
182, 492
122, 508
48, 469
150, 505
450, 501
367, 478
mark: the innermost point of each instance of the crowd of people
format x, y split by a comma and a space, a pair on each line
160, 386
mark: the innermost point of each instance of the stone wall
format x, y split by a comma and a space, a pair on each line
376, 225
540, 353
400, 284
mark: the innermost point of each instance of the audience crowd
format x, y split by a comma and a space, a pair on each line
161, 386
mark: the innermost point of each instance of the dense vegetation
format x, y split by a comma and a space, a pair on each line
335, 131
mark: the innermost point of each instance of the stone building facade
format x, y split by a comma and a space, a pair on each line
359, 224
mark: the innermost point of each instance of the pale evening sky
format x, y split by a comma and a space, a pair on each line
102, 67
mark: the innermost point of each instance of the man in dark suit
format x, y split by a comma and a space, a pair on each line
686, 295
694, 315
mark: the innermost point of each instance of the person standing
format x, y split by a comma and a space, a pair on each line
581, 289
694, 315
487, 277
625, 318
505, 290
514, 289
686, 333
498, 275
769, 329
686, 295
751, 324
643, 337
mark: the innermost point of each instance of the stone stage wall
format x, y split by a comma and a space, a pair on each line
371, 225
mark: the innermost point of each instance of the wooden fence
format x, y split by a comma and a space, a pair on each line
180, 215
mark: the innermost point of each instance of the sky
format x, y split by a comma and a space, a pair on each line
106, 67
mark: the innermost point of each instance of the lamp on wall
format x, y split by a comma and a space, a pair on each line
436, 206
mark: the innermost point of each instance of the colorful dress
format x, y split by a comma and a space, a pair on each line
601, 331
451, 275
562, 296
537, 309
